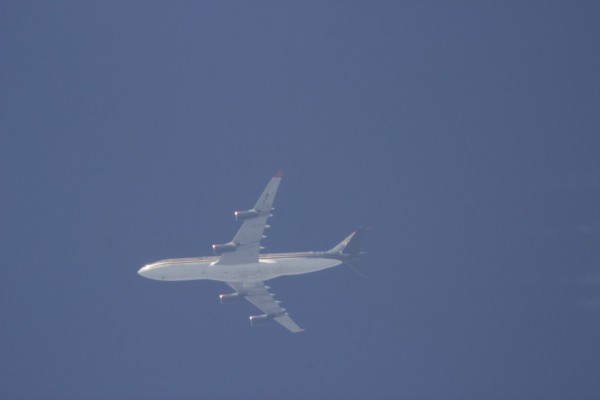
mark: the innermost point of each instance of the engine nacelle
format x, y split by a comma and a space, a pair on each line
260, 319
230, 297
224, 248
248, 214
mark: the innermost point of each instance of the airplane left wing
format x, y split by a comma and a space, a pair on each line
257, 293
247, 240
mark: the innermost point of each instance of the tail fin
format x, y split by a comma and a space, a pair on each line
351, 245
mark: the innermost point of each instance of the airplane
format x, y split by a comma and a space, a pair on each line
240, 264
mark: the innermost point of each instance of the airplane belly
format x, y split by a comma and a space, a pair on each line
304, 265
268, 269
178, 271
252, 272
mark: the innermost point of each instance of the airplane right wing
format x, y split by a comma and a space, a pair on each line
246, 242
257, 293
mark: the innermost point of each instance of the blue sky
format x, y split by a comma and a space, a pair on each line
465, 134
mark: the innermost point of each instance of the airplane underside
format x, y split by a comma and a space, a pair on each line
244, 269
254, 272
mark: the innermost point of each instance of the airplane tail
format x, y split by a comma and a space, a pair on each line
351, 245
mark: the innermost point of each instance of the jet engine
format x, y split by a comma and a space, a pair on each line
230, 297
260, 319
224, 248
243, 215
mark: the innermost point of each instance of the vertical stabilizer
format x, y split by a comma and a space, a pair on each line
351, 245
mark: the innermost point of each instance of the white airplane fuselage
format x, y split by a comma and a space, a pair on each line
269, 266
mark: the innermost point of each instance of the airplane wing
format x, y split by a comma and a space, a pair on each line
247, 240
257, 293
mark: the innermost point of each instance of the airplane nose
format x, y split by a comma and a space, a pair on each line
144, 270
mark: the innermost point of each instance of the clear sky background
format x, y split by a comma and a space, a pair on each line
467, 134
